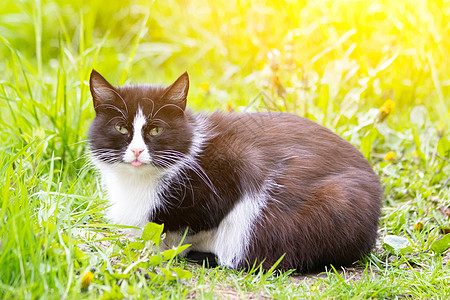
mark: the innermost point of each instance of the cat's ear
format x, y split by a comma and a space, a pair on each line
177, 91
102, 91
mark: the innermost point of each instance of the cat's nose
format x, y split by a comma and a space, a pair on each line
137, 152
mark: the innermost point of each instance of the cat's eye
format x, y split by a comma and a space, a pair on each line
156, 130
121, 129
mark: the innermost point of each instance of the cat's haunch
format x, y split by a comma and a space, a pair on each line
249, 187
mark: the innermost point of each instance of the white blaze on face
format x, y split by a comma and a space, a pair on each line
137, 152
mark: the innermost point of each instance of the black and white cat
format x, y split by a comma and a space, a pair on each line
249, 187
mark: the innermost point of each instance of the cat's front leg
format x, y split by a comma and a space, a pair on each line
172, 240
201, 250
203, 241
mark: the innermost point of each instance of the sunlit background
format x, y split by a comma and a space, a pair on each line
349, 53
375, 72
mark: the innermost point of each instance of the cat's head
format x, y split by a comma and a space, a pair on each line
140, 125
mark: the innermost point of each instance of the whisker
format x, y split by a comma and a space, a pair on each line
113, 107
126, 107
161, 121
189, 163
120, 117
167, 105
150, 116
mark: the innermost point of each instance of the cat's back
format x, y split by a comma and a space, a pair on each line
274, 126
320, 198
275, 135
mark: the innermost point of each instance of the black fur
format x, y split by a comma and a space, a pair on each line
322, 198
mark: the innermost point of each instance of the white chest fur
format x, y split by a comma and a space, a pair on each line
132, 193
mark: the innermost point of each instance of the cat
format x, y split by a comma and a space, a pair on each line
247, 187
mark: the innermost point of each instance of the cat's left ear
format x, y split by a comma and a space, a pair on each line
102, 91
177, 91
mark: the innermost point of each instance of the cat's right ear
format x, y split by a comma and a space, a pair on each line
101, 90
177, 91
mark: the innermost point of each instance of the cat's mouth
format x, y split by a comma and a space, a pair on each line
136, 163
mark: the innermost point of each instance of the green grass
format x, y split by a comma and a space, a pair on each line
337, 63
